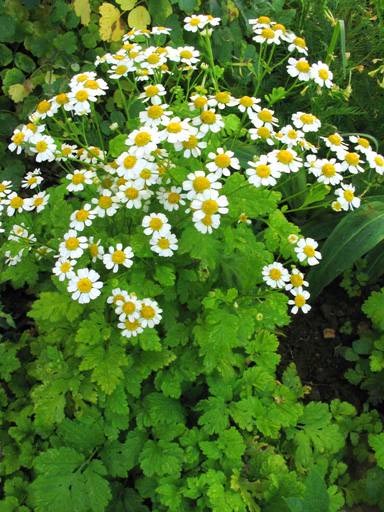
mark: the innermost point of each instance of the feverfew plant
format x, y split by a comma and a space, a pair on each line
162, 230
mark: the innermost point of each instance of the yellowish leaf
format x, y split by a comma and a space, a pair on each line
139, 17
126, 5
17, 92
110, 25
83, 10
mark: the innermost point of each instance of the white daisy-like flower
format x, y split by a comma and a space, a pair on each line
45, 108
267, 35
221, 100
80, 100
159, 31
175, 131
197, 182
117, 296
285, 160
44, 147
84, 285
264, 117
195, 22
17, 232
346, 197
164, 243
130, 329
13, 259
153, 93
155, 115
129, 165
38, 201
299, 68
15, 203
65, 152
117, 256
262, 173
143, 141
275, 275
63, 268
264, 134
155, 223
296, 280
350, 161
327, 171
321, 74
335, 142
106, 204
79, 178
376, 161
198, 102
132, 193
208, 204
361, 144
61, 100
5, 188
122, 69
299, 302
95, 249
80, 219
222, 162
306, 122
206, 223
306, 251
248, 104
32, 179
150, 313
209, 121
18, 140
193, 145
298, 44
72, 246
290, 136
171, 199
185, 55
150, 174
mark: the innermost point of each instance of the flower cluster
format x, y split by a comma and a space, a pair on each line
172, 163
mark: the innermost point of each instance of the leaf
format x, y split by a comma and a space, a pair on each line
17, 92
373, 307
159, 10
61, 486
139, 17
83, 10
126, 5
110, 27
161, 458
165, 275
120, 458
8, 360
355, 235
376, 442
187, 5
117, 145
7, 28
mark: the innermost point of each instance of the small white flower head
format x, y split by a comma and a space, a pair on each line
243, 219
13, 259
298, 44
44, 147
117, 256
150, 174
159, 31
336, 206
293, 238
306, 122
95, 249
175, 131
143, 141
198, 102
153, 93
262, 173
32, 179
78, 179
264, 117
132, 194
321, 74
299, 68
5, 188
346, 197
155, 223
130, 329
187, 55
18, 141
171, 199
208, 207
328, 171
18, 232
197, 182
80, 100
350, 161
195, 23
267, 35
299, 301
335, 142
45, 108
64, 268
361, 144
72, 245
192, 146
66, 152
285, 160
264, 134
306, 251
118, 296
106, 204
222, 100
376, 162
296, 280
38, 201
80, 219
150, 313
15, 204
290, 136
222, 162
127, 306
129, 165
164, 243
209, 121
155, 115
84, 285
248, 104
275, 275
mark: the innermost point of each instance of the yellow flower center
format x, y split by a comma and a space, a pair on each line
208, 117
121, 69
296, 280
363, 142
210, 206
147, 312
186, 54
84, 285
194, 22
267, 33
263, 170
151, 91
309, 251
131, 326
82, 215
223, 97
303, 66
200, 101
41, 146
264, 19
173, 197
105, 202
275, 274
155, 111
82, 95
118, 257
163, 243
300, 301
324, 74
222, 161
16, 202
78, 178
191, 143
279, 26
246, 101
129, 161
91, 84
145, 174
352, 158
265, 115
156, 224
328, 170
131, 193
153, 58
292, 134
93, 250
379, 160
118, 298
348, 195
263, 132
72, 243
335, 139
201, 183
307, 118
38, 201
207, 220
18, 138
65, 267
284, 156
129, 307
2, 187
174, 127
43, 107
82, 77
300, 42
142, 138
32, 127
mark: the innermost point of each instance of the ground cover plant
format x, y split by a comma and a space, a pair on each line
153, 234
